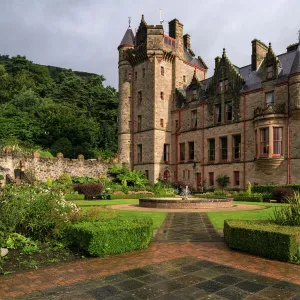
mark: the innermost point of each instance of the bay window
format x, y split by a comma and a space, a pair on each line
277, 141
264, 141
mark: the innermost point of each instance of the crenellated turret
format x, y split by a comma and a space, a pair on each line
124, 109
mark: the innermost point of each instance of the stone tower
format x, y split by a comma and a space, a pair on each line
125, 91
151, 66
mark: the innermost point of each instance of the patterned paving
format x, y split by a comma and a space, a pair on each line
181, 278
187, 227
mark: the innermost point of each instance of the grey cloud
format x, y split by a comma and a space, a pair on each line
84, 34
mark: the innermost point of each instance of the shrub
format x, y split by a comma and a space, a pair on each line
35, 212
269, 187
64, 179
49, 181
254, 197
112, 236
223, 181
290, 214
77, 179
131, 196
248, 190
262, 238
89, 190
98, 213
1, 177
282, 193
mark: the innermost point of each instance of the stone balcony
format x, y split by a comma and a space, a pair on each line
271, 109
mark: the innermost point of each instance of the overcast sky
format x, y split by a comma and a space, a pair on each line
84, 34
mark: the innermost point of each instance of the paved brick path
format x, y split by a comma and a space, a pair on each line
187, 227
156, 269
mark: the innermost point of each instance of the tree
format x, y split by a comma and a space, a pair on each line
223, 181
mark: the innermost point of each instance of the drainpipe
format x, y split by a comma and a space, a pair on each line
132, 119
244, 99
202, 177
177, 133
288, 140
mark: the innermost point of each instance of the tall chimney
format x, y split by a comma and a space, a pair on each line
175, 29
259, 51
187, 41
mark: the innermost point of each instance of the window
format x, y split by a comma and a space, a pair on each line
135, 75
211, 149
223, 148
264, 141
269, 98
184, 78
218, 115
194, 118
144, 73
161, 122
228, 112
277, 141
236, 178
270, 72
139, 98
183, 174
236, 147
166, 175
140, 153
256, 144
162, 71
191, 150
226, 84
189, 175
221, 86
182, 151
166, 152
176, 124
194, 94
129, 124
129, 77
162, 96
139, 124
211, 178
147, 174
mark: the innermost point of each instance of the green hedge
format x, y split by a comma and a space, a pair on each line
74, 197
269, 187
263, 238
113, 236
212, 196
251, 198
135, 196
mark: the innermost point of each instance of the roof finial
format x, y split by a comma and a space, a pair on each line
224, 51
160, 20
129, 22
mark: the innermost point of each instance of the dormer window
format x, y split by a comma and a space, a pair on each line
269, 99
194, 94
221, 86
270, 72
218, 115
226, 84
228, 112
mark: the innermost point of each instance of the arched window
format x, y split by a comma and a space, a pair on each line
166, 175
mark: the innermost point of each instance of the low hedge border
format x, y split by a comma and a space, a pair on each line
251, 198
267, 188
112, 236
212, 196
263, 238
135, 196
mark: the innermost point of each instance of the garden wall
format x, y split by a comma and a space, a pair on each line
43, 168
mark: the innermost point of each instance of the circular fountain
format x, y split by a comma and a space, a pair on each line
185, 202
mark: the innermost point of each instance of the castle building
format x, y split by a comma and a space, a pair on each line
179, 125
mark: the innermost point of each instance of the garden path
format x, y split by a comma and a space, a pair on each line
166, 270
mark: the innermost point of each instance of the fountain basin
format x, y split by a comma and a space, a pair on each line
177, 203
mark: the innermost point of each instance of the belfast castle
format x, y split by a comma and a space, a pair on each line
179, 125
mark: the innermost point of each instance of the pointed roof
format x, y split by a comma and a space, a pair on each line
128, 39
296, 63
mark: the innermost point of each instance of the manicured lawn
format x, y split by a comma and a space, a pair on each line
217, 218
158, 217
260, 203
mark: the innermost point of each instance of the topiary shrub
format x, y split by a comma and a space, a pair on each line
89, 190
112, 236
263, 238
282, 193
64, 179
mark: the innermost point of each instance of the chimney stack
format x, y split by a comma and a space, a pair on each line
187, 41
259, 51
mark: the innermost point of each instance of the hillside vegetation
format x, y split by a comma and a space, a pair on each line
56, 110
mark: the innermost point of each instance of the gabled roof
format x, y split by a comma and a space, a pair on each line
128, 38
296, 63
192, 60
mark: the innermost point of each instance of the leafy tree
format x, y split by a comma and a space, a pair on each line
223, 181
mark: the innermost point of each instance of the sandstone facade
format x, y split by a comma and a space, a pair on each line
175, 123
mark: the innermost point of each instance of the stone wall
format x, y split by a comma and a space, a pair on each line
43, 168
